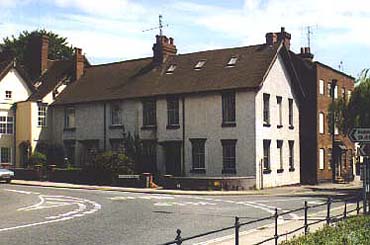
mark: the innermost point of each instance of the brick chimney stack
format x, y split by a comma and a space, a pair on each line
79, 64
282, 36
162, 49
306, 54
36, 55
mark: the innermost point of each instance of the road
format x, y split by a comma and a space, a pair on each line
42, 215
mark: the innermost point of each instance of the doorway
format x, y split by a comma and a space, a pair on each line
173, 158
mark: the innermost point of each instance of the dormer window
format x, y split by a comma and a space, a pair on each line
232, 61
37, 84
199, 65
171, 69
8, 94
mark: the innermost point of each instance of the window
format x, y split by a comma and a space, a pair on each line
232, 62
291, 113
291, 155
228, 109
279, 99
70, 120
321, 123
172, 112
329, 90
149, 112
198, 155
336, 92
266, 109
8, 94
336, 130
321, 158
199, 64
171, 69
280, 150
6, 125
229, 156
115, 114
5, 155
321, 87
266, 156
329, 158
41, 119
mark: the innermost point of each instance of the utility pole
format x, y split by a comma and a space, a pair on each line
333, 165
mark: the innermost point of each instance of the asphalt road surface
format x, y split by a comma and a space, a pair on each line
40, 215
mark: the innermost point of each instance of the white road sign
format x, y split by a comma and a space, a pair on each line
359, 135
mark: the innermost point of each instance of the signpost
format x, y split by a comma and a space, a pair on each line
362, 136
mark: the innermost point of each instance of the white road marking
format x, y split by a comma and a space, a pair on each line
84, 207
22, 192
169, 204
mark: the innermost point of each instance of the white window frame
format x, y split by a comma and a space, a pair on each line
115, 119
8, 94
321, 123
41, 115
6, 125
321, 158
322, 87
10, 154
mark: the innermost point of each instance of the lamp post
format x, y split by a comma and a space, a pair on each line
333, 165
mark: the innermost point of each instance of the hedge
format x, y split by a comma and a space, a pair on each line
352, 231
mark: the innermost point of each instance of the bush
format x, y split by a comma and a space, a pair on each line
37, 158
117, 163
353, 231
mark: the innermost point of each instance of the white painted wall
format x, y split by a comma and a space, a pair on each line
277, 83
12, 81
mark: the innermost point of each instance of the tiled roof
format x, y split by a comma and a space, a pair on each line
7, 64
139, 78
57, 71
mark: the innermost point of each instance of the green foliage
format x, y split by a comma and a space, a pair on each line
58, 46
359, 105
37, 158
339, 107
117, 163
353, 231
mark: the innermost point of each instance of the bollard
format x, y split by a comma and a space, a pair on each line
178, 238
328, 211
237, 225
345, 210
305, 218
276, 236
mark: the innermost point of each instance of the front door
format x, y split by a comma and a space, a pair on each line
173, 158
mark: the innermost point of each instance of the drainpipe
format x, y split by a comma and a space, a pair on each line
14, 134
105, 127
333, 163
183, 136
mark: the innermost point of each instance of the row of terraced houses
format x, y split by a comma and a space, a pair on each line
255, 116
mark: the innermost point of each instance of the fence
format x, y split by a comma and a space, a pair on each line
275, 237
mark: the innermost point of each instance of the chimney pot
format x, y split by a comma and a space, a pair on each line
162, 49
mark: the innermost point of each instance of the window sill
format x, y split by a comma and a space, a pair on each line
229, 171
266, 171
279, 171
115, 126
228, 124
69, 129
173, 126
279, 126
291, 169
149, 127
198, 171
266, 124
291, 127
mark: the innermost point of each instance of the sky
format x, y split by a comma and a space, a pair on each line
113, 30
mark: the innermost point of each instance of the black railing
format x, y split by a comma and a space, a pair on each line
237, 224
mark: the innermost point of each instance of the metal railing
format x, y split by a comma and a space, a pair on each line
237, 224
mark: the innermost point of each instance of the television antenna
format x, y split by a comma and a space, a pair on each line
160, 26
309, 34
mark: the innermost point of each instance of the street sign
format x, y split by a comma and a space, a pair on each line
365, 149
359, 135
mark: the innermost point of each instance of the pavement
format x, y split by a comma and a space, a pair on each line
321, 189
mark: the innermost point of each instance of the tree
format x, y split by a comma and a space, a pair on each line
358, 109
354, 112
58, 46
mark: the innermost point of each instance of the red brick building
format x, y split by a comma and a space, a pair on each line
316, 137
